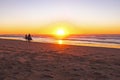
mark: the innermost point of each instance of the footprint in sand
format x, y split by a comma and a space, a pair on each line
47, 70
46, 77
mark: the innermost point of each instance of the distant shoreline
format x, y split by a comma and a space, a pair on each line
58, 44
66, 42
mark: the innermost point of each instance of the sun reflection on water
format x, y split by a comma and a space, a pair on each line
60, 41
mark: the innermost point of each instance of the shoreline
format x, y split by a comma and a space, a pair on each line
20, 60
81, 45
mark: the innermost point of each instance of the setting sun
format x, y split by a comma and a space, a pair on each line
61, 32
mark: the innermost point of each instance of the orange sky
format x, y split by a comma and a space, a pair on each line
69, 28
47, 16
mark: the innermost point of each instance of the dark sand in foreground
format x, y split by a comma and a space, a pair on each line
39, 61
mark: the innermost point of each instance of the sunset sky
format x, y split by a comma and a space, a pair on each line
47, 16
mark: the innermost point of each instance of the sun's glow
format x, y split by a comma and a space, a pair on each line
60, 32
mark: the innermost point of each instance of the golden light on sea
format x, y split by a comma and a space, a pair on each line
60, 42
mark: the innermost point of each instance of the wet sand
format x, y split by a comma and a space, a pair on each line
21, 60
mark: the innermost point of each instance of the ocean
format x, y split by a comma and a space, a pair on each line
109, 41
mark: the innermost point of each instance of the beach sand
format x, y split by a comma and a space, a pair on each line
20, 60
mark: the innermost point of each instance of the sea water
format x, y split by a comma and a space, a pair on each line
110, 41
